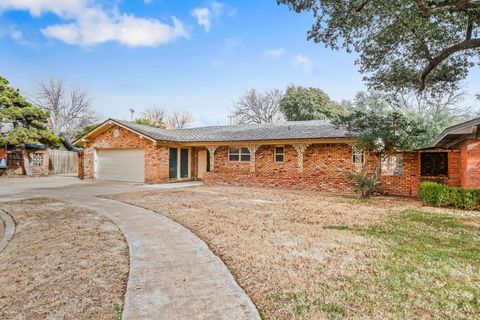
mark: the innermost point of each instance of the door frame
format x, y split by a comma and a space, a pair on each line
179, 151
198, 163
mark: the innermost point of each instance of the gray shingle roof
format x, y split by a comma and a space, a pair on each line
456, 133
246, 132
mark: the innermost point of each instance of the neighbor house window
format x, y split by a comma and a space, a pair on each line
279, 154
434, 164
238, 154
37, 159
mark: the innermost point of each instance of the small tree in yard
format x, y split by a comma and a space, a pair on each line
381, 133
30, 123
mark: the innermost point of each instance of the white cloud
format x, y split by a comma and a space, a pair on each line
90, 24
36, 8
303, 62
17, 35
274, 53
203, 16
147, 1
217, 8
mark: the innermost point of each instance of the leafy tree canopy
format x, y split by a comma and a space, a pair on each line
301, 103
403, 44
382, 132
432, 113
30, 123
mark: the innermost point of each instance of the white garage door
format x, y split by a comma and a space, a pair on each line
121, 165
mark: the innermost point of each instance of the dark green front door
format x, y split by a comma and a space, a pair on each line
173, 163
178, 163
183, 163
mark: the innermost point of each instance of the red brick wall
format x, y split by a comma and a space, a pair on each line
408, 183
401, 185
156, 157
470, 163
323, 168
453, 179
44, 168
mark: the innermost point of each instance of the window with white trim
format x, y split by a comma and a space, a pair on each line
238, 154
357, 156
279, 154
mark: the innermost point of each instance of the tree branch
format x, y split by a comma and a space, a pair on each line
362, 5
469, 31
455, 6
464, 45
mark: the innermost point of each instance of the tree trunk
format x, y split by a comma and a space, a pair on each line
26, 162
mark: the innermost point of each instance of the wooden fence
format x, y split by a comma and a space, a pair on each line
63, 162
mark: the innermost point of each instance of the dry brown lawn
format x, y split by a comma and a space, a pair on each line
292, 251
63, 262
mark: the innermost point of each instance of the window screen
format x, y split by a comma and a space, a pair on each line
434, 164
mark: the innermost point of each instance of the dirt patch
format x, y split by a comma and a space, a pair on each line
63, 262
280, 245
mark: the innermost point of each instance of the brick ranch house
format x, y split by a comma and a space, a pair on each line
307, 155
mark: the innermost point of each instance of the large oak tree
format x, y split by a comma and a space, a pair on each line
402, 44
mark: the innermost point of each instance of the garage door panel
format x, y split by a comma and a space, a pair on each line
121, 165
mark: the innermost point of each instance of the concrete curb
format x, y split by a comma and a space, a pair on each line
9, 226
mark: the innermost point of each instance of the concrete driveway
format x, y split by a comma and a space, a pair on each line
173, 274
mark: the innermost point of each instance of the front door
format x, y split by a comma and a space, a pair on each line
202, 163
173, 163
179, 159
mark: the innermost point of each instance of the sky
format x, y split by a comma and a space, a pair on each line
198, 56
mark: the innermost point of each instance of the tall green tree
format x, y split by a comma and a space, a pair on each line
30, 123
402, 44
432, 112
380, 133
301, 103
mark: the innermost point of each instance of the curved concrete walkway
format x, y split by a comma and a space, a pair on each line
7, 229
173, 274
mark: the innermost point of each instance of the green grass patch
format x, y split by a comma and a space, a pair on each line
118, 311
337, 227
426, 266
432, 265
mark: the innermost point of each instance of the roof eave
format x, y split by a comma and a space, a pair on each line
103, 127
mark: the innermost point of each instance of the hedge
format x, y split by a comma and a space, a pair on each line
439, 195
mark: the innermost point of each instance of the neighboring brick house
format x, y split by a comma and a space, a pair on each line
38, 158
307, 155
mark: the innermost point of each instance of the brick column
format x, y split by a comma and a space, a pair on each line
253, 149
211, 151
300, 148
